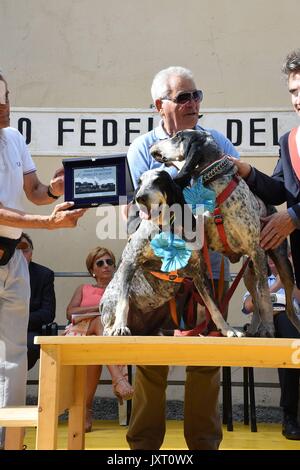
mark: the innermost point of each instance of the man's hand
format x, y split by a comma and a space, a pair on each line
62, 218
57, 182
244, 169
277, 227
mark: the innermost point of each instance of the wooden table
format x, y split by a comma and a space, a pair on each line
64, 359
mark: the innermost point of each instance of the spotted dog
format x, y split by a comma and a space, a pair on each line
135, 292
239, 215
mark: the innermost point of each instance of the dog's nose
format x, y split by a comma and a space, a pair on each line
157, 155
142, 200
156, 151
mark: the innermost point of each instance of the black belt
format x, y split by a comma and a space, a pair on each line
7, 249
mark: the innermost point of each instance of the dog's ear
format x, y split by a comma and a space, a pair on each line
182, 179
201, 150
192, 157
176, 194
178, 197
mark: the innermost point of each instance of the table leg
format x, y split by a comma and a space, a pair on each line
14, 438
76, 432
48, 401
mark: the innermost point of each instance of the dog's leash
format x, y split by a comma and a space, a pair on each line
233, 286
217, 213
172, 276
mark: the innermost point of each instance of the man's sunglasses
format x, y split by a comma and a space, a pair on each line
100, 262
186, 96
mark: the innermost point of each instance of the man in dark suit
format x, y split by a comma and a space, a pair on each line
283, 186
42, 299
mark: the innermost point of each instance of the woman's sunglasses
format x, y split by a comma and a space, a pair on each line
100, 262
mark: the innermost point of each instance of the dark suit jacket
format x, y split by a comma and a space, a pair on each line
282, 186
42, 300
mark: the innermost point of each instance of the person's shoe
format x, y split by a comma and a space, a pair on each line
290, 428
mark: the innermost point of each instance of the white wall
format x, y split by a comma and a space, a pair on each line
95, 53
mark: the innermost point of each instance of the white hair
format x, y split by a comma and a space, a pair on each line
160, 85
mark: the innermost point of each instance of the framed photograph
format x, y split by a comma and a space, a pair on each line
92, 181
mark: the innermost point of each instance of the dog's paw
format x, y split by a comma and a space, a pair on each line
120, 330
107, 332
266, 331
251, 332
233, 333
239, 333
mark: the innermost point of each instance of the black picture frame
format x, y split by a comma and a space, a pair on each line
92, 181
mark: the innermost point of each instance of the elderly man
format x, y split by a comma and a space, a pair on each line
18, 173
177, 100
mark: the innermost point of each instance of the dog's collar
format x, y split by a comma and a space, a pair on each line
172, 276
216, 168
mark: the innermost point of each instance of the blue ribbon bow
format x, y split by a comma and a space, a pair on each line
198, 196
172, 250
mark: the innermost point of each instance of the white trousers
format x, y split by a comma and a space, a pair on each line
14, 314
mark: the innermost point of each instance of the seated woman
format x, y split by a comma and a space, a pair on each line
100, 263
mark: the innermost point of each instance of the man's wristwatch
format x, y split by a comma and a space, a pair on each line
50, 194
